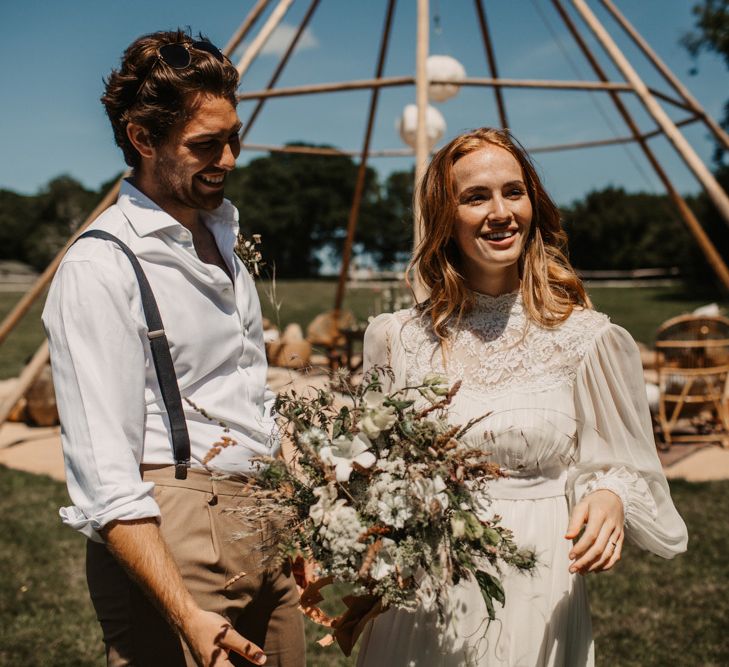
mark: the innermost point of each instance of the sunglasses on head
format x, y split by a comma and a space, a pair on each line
177, 56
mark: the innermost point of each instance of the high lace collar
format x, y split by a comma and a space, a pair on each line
503, 304
502, 307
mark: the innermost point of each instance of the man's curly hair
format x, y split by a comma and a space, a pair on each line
147, 91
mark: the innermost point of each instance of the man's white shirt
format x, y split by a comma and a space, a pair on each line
112, 415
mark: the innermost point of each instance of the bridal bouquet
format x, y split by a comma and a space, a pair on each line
382, 493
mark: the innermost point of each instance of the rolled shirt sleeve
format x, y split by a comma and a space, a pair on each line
96, 334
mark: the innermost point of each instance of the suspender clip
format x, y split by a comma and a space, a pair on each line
181, 469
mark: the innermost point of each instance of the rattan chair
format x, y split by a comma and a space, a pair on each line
692, 360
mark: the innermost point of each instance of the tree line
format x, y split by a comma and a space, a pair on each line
300, 205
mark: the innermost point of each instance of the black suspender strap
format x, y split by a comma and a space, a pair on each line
162, 359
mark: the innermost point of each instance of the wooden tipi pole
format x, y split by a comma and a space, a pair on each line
667, 74
27, 377
693, 161
33, 369
393, 81
421, 135
421, 97
491, 58
362, 170
707, 247
280, 68
239, 35
29, 298
261, 38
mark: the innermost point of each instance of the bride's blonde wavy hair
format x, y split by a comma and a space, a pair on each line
550, 287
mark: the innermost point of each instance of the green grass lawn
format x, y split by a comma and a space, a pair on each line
24, 340
647, 612
46, 616
640, 310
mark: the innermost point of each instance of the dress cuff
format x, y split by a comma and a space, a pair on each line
615, 480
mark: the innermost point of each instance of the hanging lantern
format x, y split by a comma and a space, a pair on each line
407, 125
443, 68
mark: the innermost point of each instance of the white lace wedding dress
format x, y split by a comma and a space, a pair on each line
567, 415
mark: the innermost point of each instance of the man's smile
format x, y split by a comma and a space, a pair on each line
212, 180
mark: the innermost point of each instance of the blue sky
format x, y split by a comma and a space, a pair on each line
55, 54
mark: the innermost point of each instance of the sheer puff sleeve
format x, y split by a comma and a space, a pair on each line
382, 347
616, 448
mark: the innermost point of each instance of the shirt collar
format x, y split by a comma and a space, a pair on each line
147, 218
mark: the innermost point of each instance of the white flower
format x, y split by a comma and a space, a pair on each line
341, 530
392, 510
391, 467
345, 451
458, 527
339, 523
384, 564
428, 491
378, 416
314, 437
327, 495
382, 485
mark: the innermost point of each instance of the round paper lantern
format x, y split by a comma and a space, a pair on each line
407, 125
444, 68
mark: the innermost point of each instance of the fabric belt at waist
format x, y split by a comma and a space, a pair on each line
528, 488
197, 480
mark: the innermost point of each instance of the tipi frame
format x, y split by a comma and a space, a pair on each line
632, 83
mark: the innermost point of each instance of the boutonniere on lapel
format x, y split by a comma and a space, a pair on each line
249, 253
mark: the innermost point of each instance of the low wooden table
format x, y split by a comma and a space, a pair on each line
340, 356
353, 335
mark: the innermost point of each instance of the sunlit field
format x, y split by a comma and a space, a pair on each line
647, 612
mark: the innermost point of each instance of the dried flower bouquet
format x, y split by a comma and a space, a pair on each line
385, 494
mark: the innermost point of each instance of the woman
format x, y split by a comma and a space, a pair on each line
568, 417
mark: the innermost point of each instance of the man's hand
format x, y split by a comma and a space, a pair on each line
210, 639
601, 543
139, 547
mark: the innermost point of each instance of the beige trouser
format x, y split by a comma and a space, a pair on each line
198, 527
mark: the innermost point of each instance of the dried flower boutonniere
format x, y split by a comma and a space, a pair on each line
249, 253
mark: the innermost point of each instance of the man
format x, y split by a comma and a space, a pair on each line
185, 593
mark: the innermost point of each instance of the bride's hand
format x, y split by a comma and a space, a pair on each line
601, 543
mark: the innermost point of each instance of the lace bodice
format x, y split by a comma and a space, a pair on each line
497, 349
563, 407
